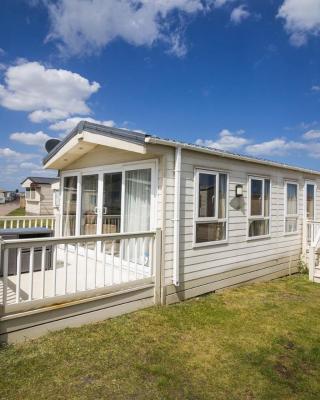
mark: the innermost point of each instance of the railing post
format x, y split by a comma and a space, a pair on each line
56, 223
304, 239
4, 288
157, 267
311, 262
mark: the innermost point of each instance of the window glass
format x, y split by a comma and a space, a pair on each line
89, 205
56, 198
260, 204
256, 197
292, 200
212, 206
310, 201
291, 224
266, 197
222, 196
207, 195
69, 205
258, 227
210, 232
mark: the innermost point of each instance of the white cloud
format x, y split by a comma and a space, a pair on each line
221, 3
84, 27
68, 124
46, 92
239, 14
7, 153
51, 115
312, 134
29, 165
275, 147
302, 19
31, 139
315, 88
227, 141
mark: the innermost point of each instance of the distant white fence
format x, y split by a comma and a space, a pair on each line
28, 221
43, 271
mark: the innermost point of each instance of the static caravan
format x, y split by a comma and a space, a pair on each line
144, 220
38, 195
2, 196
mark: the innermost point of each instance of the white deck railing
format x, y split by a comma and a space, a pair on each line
44, 271
311, 245
27, 221
313, 228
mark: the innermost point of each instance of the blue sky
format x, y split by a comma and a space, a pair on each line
240, 75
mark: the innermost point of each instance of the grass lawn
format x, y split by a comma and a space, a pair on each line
255, 342
18, 212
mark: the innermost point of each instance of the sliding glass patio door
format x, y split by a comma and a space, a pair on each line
89, 206
111, 205
104, 202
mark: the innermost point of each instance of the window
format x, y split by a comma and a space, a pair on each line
56, 198
69, 206
211, 207
291, 207
259, 207
310, 201
30, 194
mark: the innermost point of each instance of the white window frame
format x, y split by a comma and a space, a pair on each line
197, 219
286, 215
259, 217
36, 194
314, 199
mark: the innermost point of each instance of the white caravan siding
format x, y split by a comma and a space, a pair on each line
213, 267
46, 200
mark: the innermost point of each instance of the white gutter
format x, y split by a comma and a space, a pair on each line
176, 220
216, 152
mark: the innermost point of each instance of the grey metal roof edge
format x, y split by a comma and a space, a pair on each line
228, 154
124, 134
47, 180
141, 138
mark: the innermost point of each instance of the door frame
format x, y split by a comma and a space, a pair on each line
100, 171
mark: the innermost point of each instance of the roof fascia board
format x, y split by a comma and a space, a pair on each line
96, 139
63, 150
113, 142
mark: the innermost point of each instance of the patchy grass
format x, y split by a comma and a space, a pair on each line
18, 212
256, 342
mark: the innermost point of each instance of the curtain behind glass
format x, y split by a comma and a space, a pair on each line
137, 200
292, 200
69, 206
310, 202
137, 212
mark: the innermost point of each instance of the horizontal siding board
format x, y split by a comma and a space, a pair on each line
277, 270
188, 284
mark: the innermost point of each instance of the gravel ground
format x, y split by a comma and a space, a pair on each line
8, 207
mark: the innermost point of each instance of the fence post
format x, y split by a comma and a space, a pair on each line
157, 267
